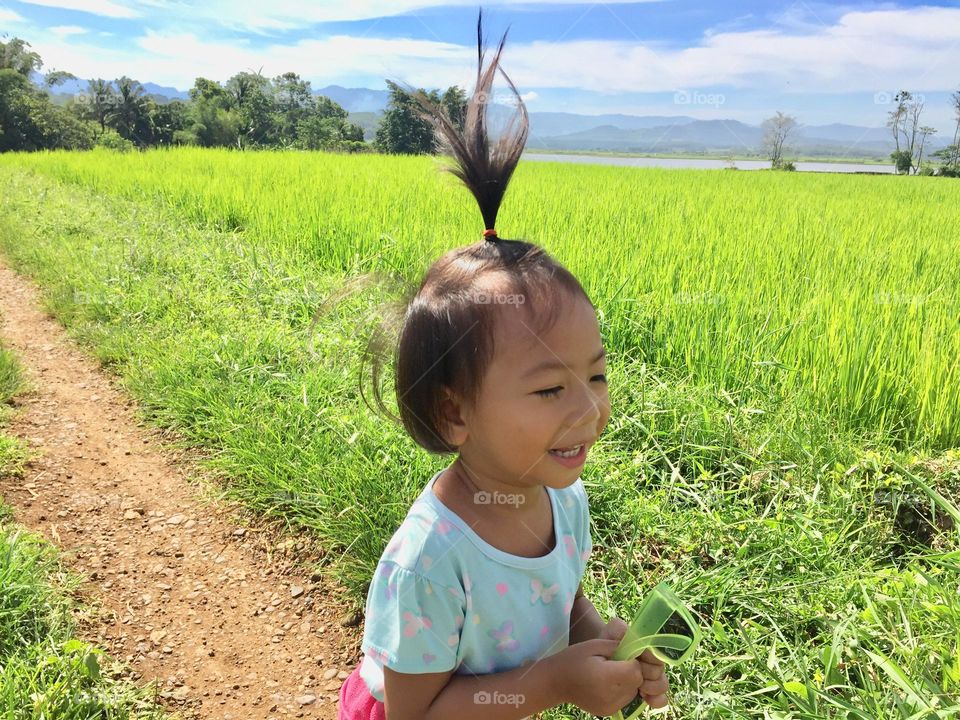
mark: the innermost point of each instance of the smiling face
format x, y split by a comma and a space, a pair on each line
539, 393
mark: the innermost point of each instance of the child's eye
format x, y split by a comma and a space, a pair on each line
550, 392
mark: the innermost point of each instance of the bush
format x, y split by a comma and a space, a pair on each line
112, 140
902, 160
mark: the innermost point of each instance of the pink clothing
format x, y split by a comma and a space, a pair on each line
356, 702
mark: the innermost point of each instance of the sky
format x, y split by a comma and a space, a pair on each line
726, 59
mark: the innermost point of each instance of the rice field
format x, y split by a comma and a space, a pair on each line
783, 358
843, 289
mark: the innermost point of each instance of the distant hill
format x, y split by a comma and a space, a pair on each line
608, 132
723, 137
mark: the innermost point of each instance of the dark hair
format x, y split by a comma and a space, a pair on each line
446, 335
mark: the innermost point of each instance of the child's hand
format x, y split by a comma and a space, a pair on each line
654, 687
589, 679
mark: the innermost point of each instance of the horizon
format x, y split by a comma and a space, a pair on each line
823, 63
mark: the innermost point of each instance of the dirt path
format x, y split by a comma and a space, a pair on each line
188, 595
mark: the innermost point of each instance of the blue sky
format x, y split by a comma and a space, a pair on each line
740, 59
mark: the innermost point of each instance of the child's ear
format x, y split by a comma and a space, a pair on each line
453, 425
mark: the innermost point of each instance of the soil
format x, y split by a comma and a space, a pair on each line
192, 592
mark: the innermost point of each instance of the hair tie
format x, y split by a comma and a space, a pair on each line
489, 233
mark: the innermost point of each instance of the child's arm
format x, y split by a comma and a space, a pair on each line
585, 621
511, 695
582, 675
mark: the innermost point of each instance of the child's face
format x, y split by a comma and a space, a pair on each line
507, 436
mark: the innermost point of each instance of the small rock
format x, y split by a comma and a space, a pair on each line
131, 515
175, 519
330, 673
296, 591
351, 619
307, 699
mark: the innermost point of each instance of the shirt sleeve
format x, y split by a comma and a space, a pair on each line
411, 623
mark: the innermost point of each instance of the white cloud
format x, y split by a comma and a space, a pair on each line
65, 30
294, 14
94, 7
256, 16
9, 16
862, 51
859, 52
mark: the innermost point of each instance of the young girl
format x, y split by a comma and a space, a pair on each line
476, 608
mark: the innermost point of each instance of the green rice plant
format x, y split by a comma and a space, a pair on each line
779, 359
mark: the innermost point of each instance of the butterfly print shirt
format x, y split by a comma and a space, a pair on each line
444, 599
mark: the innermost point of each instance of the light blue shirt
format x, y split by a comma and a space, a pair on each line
442, 598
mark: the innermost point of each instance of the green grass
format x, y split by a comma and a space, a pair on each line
13, 453
45, 671
784, 420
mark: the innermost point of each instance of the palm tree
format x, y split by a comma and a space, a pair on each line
129, 109
98, 101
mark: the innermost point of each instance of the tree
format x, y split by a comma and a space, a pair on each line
28, 120
401, 129
212, 120
925, 132
57, 77
293, 103
96, 103
167, 120
950, 155
251, 96
776, 131
904, 123
130, 115
454, 101
15, 56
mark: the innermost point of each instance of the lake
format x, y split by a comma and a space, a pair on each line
706, 163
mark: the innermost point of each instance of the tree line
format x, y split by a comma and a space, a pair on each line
248, 111
253, 111
910, 137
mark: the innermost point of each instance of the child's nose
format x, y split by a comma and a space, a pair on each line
588, 409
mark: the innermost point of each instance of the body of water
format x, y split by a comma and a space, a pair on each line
706, 163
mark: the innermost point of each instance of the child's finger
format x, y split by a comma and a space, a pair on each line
652, 672
654, 687
656, 701
650, 658
614, 630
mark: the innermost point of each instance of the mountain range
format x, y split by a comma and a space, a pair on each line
640, 134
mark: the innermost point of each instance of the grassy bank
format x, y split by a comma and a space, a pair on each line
814, 540
45, 671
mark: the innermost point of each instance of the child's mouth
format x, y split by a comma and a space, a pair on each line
570, 457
